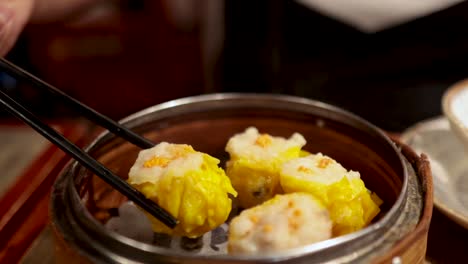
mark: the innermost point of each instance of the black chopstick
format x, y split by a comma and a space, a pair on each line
77, 153
86, 160
88, 112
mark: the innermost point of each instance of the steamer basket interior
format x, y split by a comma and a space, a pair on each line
353, 142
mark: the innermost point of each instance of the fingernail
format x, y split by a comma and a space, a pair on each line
5, 17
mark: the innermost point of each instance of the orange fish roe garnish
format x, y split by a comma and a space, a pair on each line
291, 204
323, 163
297, 212
181, 151
267, 228
304, 169
263, 140
177, 152
254, 219
293, 224
156, 161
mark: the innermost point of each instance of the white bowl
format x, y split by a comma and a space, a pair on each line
449, 165
455, 108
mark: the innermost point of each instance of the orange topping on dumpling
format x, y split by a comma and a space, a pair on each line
267, 228
323, 163
157, 161
263, 140
304, 169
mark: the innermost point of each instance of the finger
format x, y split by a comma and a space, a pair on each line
14, 14
6, 15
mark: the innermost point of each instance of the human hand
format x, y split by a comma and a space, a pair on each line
15, 14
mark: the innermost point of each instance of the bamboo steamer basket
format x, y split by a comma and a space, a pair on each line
81, 203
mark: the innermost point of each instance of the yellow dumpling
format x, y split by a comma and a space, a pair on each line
255, 161
187, 183
350, 204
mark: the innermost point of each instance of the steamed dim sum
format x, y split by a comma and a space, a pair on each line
350, 204
284, 222
290, 197
187, 183
255, 161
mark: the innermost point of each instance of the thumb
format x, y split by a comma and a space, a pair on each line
14, 15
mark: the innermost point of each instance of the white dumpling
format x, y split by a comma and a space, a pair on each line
284, 222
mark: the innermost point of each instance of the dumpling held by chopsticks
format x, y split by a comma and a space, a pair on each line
187, 183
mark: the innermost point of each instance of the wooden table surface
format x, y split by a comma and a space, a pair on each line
21, 147
30, 165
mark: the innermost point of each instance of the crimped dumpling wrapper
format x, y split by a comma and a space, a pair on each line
255, 161
349, 202
255, 181
197, 197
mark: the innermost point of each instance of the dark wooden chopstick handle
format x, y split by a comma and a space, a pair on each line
86, 160
83, 109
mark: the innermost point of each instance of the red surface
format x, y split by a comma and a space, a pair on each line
24, 207
118, 62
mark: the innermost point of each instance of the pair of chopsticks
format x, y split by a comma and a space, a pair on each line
77, 153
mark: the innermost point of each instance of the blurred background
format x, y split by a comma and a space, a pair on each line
120, 56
